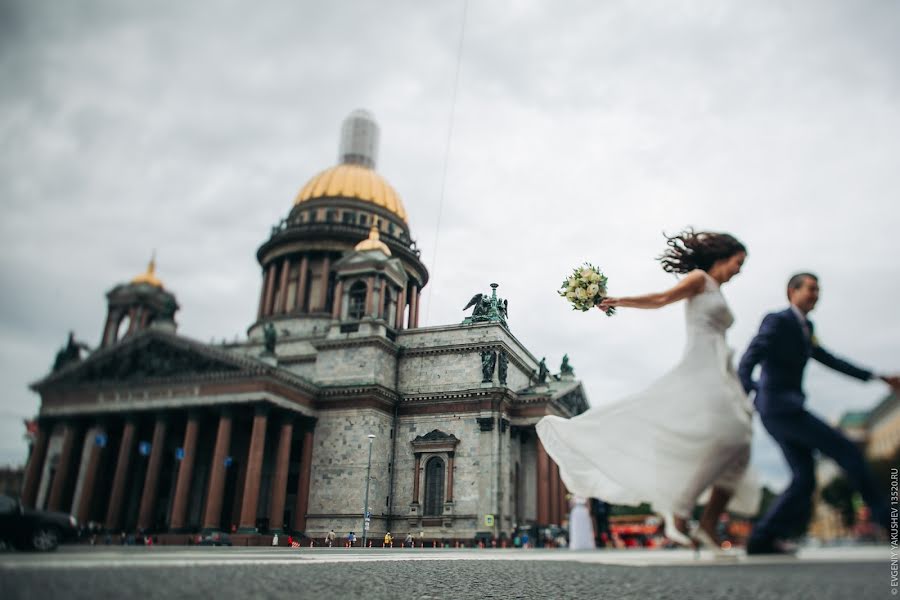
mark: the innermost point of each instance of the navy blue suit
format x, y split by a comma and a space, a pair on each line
782, 348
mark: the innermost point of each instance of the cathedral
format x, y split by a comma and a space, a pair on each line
338, 411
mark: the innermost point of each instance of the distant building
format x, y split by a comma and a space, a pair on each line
159, 432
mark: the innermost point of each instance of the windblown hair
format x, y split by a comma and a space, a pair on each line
691, 250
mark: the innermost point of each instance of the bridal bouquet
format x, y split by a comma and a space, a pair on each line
585, 288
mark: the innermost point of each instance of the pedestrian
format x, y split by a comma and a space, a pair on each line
275, 540
388, 540
330, 538
785, 343
408, 542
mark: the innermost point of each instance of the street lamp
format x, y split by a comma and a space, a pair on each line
366, 504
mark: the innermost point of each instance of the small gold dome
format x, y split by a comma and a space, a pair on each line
353, 181
373, 242
149, 276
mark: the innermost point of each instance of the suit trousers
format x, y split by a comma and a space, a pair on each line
799, 434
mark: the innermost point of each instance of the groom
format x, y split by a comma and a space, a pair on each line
783, 345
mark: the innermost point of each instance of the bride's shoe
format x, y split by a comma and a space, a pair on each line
676, 535
707, 542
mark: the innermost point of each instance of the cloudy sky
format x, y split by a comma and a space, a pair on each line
579, 131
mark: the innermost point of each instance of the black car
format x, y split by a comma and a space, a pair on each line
28, 529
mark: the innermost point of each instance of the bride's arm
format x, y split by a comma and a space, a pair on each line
693, 284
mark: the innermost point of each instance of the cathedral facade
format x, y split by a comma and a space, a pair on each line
337, 410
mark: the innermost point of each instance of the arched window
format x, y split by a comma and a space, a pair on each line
357, 308
434, 487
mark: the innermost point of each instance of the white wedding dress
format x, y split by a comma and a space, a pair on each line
672, 442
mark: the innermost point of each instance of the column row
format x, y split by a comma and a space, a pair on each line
125, 478
552, 504
295, 285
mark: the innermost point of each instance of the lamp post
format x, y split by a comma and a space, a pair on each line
366, 504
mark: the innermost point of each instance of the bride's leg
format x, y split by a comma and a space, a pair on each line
718, 500
723, 489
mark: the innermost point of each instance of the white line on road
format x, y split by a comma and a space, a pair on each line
176, 557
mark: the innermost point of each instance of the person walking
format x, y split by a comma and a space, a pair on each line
785, 343
694, 422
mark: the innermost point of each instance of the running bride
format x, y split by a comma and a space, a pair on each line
687, 433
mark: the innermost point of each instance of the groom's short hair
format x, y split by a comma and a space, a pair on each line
796, 282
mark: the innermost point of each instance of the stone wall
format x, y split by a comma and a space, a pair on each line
338, 474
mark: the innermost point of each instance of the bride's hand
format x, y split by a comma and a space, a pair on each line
607, 303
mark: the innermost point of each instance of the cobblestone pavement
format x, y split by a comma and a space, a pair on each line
212, 573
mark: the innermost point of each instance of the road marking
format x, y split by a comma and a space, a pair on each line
177, 557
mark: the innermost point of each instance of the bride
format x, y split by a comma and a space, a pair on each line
687, 433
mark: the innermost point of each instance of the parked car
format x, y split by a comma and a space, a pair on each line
216, 538
30, 529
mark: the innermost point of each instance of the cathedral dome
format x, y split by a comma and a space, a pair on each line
149, 276
353, 181
355, 176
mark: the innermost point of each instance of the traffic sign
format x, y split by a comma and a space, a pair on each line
488, 520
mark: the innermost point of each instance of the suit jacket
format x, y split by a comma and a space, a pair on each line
782, 349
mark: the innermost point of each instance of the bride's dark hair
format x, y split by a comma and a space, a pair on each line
691, 250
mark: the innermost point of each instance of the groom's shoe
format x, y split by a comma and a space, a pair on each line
769, 546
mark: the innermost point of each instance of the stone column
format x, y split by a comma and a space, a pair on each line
148, 496
323, 298
416, 468
416, 312
114, 510
338, 300
110, 330
381, 294
554, 493
85, 502
262, 294
35, 467
563, 501
61, 479
250, 503
270, 286
279, 482
132, 318
185, 473
301, 285
212, 515
543, 484
413, 306
370, 295
302, 506
282, 290
450, 477
401, 306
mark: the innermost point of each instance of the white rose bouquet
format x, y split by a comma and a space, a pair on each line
585, 288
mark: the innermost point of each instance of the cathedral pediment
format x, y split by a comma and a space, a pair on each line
150, 356
435, 441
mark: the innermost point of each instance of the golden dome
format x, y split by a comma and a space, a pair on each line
353, 181
373, 242
149, 276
